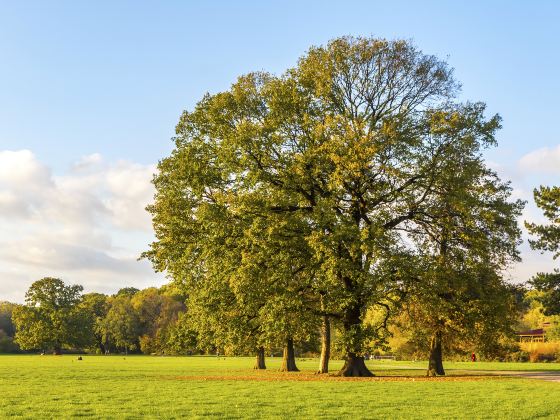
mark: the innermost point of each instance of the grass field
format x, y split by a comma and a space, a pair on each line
196, 387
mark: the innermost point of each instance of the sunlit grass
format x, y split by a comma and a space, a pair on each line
194, 387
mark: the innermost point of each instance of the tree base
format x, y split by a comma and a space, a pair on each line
289, 365
435, 371
435, 363
325, 346
355, 366
259, 362
289, 358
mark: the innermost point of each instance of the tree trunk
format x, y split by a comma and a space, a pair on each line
435, 365
355, 366
325, 345
57, 350
289, 357
259, 363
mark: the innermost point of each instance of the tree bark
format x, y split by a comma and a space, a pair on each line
355, 366
435, 364
325, 345
289, 357
259, 362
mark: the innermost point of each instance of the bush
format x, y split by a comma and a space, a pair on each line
542, 352
517, 356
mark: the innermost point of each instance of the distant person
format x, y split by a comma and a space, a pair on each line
473, 357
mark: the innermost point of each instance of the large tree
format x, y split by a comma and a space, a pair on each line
52, 317
341, 154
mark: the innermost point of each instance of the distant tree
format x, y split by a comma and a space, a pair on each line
548, 236
547, 239
127, 291
157, 312
7, 328
181, 338
533, 313
7, 344
51, 317
121, 325
549, 286
6, 324
96, 305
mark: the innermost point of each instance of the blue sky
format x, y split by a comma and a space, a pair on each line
90, 93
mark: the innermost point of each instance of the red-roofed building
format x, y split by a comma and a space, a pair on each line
531, 336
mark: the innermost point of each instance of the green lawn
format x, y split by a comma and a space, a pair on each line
195, 387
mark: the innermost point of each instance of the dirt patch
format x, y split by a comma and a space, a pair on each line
278, 377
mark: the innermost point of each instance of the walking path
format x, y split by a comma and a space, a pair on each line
545, 375
552, 376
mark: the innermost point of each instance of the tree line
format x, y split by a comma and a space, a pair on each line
57, 316
155, 321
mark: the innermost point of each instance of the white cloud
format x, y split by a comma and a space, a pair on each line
129, 185
87, 162
87, 226
22, 167
544, 160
